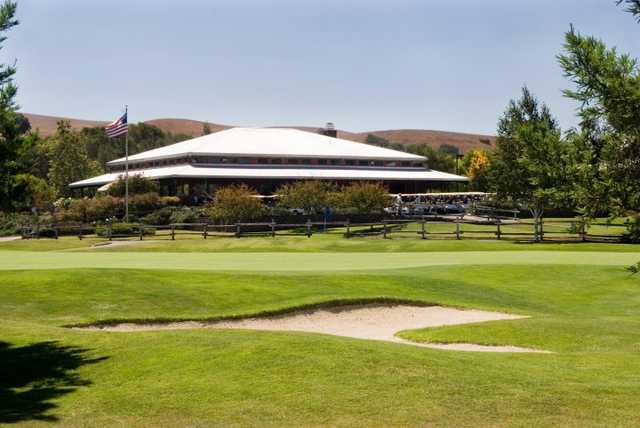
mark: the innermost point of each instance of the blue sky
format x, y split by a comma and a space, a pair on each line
363, 64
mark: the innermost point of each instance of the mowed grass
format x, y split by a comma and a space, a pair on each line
277, 262
318, 243
583, 305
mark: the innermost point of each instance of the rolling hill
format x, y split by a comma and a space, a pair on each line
46, 125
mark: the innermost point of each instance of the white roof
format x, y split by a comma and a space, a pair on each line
271, 142
270, 172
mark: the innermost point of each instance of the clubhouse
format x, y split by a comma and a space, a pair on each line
266, 158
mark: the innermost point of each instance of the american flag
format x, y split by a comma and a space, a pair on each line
117, 127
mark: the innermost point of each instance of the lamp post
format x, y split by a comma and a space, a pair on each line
458, 157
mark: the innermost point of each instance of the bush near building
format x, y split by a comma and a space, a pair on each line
123, 229
236, 203
365, 198
137, 185
311, 196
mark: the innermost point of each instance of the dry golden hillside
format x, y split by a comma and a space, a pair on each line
46, 125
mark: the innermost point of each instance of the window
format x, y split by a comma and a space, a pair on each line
350, 162
306, 161
292, 161
263, 161
322, 161
406, 163
363, 163
276, 161
336, 161
377, 163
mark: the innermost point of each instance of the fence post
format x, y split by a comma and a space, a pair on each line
204, 233
110, 232
55, 231
422, 227
541, 230
498, 231
238, 230
80, 232
384, 229
583, 230
348, 228
273, 228
141, 231
458, 228
308, 228
173, 232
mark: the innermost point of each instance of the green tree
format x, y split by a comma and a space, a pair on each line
11, 123
607, 145
99, 147
530, 164
33, 156
440, 160
312, 196
632, 6
376, 140
137, 185
34, 192
143, 137
449, 149
206, 128
69, 160
365, 197
236, 203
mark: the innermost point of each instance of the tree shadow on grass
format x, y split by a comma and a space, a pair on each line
33, 375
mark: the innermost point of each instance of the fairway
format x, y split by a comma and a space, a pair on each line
278, 262
577, 302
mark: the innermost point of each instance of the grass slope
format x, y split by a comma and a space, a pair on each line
586, 313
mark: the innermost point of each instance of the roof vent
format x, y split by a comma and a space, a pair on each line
330, 130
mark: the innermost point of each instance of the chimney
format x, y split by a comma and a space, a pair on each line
329, 130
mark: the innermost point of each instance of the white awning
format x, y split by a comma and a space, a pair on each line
280, 173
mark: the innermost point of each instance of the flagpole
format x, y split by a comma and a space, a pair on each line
126, 168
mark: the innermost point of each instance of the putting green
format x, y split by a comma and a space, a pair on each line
19, 260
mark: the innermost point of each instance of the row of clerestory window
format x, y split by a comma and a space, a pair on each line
219, 160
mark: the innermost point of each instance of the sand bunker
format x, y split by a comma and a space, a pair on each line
111, 244
372, 322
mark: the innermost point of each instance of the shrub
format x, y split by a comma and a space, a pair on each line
310, 196
11, 224
170, 201
144, 201
90, 209
633, 230
137, 185
102, 207
168, 215
123, 229
365, 198
236, 203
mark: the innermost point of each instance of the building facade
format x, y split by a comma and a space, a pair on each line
266, 158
